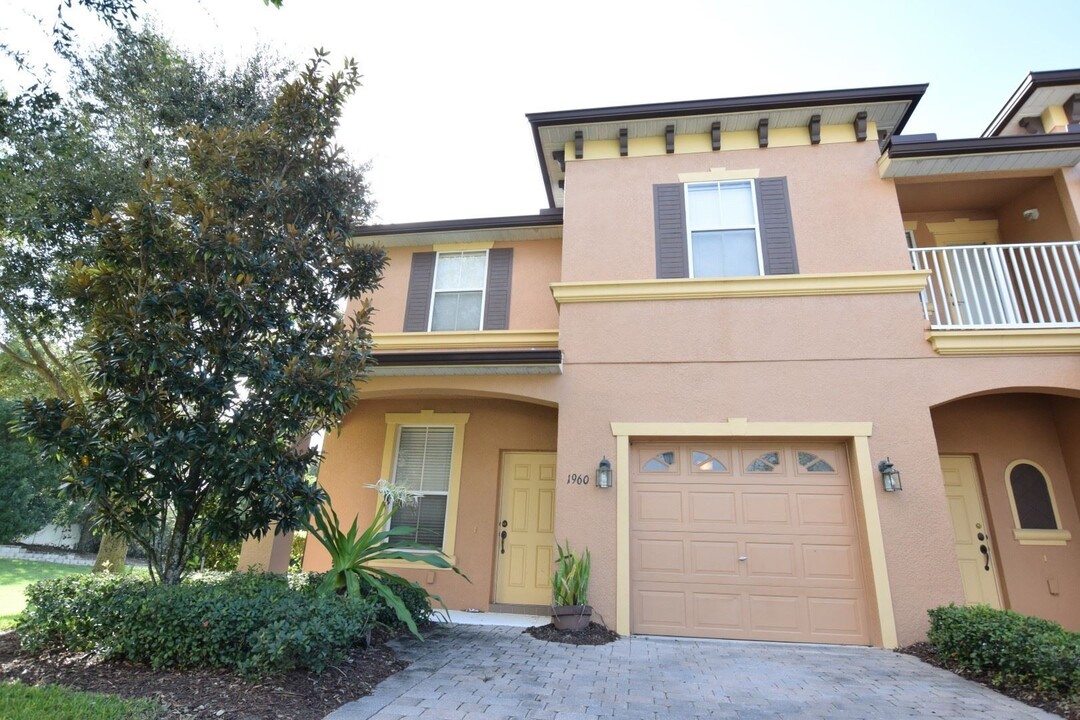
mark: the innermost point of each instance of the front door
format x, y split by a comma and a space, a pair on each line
970, 533
526, 529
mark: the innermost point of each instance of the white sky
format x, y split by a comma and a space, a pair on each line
441, 115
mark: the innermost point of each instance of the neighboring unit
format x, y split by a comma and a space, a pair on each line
747, 306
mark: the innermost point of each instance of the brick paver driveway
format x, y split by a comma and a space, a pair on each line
469, 671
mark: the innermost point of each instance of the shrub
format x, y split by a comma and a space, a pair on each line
1012, 649
253, 623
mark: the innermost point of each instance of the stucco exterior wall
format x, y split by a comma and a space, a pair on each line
354, 458
999, 429
1052, 225
861, 358
846, 218
536, 266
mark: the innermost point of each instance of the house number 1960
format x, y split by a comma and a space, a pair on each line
575, 479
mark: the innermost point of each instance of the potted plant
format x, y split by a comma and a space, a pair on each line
570, 590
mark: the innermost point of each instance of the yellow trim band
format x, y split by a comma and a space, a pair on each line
466, 339
460, 246
1057, 341
1042, 537
863, 480
855, 283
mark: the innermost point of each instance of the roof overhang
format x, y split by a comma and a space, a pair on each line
471, 362
547, 224
888, 107
1039, 91
974, 155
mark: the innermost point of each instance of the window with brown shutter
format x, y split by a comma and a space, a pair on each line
459, 290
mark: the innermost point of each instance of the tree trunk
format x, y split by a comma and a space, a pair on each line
111, 554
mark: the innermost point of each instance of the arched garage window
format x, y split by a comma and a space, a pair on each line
1035, 514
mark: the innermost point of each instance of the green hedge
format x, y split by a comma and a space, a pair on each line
251, 622
1013, 649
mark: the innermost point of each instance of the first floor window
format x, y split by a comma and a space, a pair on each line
721, 221
422, 463
457, 298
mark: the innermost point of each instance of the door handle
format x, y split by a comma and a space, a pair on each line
986, 554
502, 543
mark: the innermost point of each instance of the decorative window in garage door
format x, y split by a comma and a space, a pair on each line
814, 463
666, 461
766, 462
707, 462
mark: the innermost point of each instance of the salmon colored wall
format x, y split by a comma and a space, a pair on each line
354, 459
846, 218
1051, 226
1067, 418
923, 236
536, 266
999, 429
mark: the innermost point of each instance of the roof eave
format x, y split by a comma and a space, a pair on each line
1031, 83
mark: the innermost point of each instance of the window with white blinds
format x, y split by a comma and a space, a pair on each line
422, 464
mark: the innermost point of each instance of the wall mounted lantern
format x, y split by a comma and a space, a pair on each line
603, 474
890, 476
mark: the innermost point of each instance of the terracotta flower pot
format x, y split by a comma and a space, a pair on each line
571, 617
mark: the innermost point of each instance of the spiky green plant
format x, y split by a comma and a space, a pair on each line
353, 555
570, 582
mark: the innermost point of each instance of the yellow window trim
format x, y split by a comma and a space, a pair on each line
1027, 536
854, 283
466, 339
463, 246
719, 174
863, 481
431, 418
1057, 341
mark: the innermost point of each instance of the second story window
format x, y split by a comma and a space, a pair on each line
457, 298
722, 229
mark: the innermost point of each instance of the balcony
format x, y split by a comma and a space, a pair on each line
1032, 286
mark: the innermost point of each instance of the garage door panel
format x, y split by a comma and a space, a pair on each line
785, 508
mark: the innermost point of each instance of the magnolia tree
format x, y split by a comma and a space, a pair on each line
215, 342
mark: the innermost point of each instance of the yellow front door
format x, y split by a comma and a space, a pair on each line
526, 529
970, 533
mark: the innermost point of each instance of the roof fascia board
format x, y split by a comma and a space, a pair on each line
491, 223
1033, 81
985, 145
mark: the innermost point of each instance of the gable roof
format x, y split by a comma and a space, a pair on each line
1038, 91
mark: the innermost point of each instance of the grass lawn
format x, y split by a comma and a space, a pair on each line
23, 702
15, 575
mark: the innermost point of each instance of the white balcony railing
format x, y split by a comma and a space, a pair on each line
1001, 286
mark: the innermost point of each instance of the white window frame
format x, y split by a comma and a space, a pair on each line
690, 229
429, 418
434, 281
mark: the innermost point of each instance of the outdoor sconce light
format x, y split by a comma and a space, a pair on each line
890, 476
603, 474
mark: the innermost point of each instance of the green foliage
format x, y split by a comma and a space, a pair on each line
26, 702
353, 555
29, 486
214, 336
296, 551
1014, 650
254, 623
570, 582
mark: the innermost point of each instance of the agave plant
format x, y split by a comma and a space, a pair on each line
353, 555
570, 582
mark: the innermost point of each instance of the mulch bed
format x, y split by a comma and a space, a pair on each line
926, 652
592, 635
196, 694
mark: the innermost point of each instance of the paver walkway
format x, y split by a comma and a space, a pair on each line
467, 672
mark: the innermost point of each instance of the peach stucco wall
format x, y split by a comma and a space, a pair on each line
1067, 418
1052, 224
998, 429
536, 266
354, 459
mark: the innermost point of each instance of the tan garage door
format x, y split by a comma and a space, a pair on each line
754, 541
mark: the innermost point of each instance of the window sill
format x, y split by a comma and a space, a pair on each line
466, 339
854, 283
406, 565
1042, 537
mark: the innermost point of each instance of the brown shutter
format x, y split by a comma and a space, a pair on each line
670, 212
497, 302
777, 232
418, 303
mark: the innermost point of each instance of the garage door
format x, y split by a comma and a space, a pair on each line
754, 541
